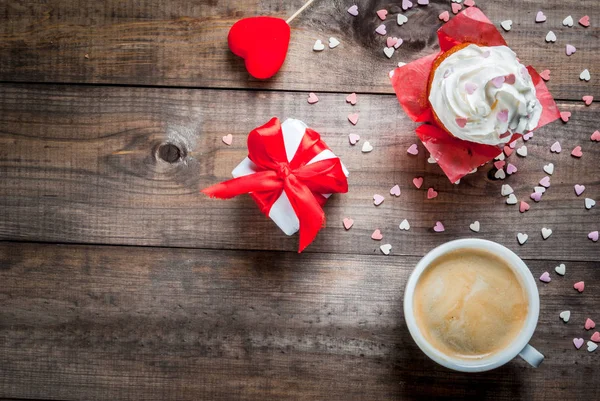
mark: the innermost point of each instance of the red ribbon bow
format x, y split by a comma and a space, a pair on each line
303, 183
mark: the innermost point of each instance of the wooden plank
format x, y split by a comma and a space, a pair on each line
80, 164
106, 323
184, 43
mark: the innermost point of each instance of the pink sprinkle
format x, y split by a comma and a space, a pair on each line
413, 150
461, 122
439, 227
498, 81
579, 189
470, 87
545, 277
545, 182
510, 79
593, 236
503, 115
536, 196
555, 147
511, 168
578, 342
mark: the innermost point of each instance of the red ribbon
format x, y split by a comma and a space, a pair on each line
303, 183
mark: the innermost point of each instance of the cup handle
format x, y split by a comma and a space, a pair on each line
531, 356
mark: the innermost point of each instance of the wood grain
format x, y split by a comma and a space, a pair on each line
105, 323
80, 164
183, 43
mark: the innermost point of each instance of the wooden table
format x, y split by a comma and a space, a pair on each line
119, 281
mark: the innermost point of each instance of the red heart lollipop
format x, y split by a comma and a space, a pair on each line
262, 42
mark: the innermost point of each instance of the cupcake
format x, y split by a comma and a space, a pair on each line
473, 97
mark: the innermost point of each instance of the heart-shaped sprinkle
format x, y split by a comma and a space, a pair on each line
391, 41
431, 160
591, 347
381, 30
498, 81
444, 16
378, 199
561, 269
596, 337
506, 190
377, 236
395, 190
593, 236
511, 169
508, 151
579, 189
585, 75
545, 182
565, 115
595, 136
578, 342
227, 139
353, 118
549, 168
536, 196
418, 181
439, 227
545, 75
522, 238
589, 203
318, 46
540, 17
522, 151
546, 233
366, 148
353, 138
312, 98
539, 189
422, 2
348, 223
399, 42
404, 225
523, 207
499, 164
469, 3
500, 175
513, 144
502, 116
527, 136
351, 98
382, 14
579, 286
589, 324
568, 21
506, 25
456, 7
565, 315
413, 150
576, 152
474, 226
401, 19
570, 49
386, 249
588, 99
545, 277
470, 87
406, 4
431, 193
388, 51
461, 122
511, 200
584, 21
501, 156
556, 148
550, 37
353, 10
333, 42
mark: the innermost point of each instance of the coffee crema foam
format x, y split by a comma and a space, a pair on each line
469, 304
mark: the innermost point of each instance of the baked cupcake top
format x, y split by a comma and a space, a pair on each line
484, 95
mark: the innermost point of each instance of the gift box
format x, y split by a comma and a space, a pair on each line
455, 156
290, 173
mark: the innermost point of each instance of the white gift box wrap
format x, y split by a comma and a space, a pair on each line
282, 212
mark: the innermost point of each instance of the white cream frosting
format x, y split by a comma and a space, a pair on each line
474, 97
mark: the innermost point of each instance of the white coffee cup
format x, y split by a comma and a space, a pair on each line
519, 346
